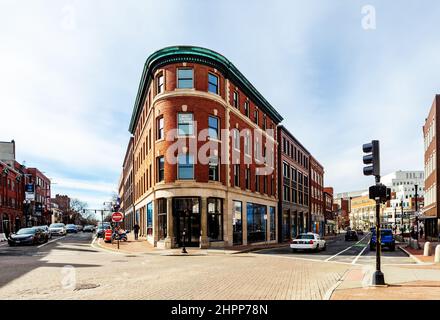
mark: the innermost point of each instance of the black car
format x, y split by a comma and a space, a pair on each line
28, 236
71, 228
351, 235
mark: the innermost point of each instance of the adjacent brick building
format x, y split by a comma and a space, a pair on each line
230, 196
294, 186
329, 214
431, 214
317, 196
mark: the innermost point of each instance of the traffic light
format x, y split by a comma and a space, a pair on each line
372, 158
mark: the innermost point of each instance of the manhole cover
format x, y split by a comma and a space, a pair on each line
86, 286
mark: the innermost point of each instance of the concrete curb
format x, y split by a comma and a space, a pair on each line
328, 295
417, 260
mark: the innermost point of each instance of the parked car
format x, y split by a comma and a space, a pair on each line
351, 235
28, 236
360, 232
79, 227
46, 230
89, 228
58, 229
71, 228
386, 239
101, 230
308, 241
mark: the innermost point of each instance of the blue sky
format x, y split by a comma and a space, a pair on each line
69, 73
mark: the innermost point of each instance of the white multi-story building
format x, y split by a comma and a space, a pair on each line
404, 182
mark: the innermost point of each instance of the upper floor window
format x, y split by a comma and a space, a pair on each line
264, 122
213, 127
185, 78
237, 175
160, 83
246, 109
213, 169
235, 99
212, 83
236, 139
160, 168
185, 167
247, 143
256, 114
160, 129
185, 124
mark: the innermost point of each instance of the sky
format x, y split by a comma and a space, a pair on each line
70, 70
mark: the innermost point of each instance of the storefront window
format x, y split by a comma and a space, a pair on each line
215, 219
150, 219
272, 223
237, 223
162, 218
256, 222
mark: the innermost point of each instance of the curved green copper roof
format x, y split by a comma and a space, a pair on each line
199, 55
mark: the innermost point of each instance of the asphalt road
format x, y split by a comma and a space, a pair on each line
350, 252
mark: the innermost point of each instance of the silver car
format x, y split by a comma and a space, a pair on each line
58, 229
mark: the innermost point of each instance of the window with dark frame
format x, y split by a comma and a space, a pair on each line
185, 78
185, 124
246, 109
215, 219
162, 218
214, 169
160, 128
160, 169
213, 83
213, 127
248, 178
185, 167
160, 83
236, 175
235, 100
256, 115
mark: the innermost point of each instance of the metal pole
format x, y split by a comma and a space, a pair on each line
417, 218
378, 277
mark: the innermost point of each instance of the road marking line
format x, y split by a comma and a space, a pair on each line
328, 259
360, 254
51, 241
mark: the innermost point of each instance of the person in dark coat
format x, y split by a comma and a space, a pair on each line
136, 231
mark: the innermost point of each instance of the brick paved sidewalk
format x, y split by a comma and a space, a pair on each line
420, 282
418, 254
142, 246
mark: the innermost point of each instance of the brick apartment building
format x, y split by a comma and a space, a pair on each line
15, 212
316, 174
293, 186
329, 215
214, 203
41, 213
126, 188
431, 214
62, 204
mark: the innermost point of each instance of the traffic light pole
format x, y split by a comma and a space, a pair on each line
378, 276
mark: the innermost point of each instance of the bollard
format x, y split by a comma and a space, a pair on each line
437, 254
427, 250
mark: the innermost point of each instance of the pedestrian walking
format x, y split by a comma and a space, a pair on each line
136, 231
421, 232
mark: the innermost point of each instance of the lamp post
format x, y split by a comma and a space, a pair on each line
416, 215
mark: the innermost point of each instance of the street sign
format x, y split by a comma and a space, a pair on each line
117, 217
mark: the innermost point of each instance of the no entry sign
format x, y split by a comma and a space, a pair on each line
117, 217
